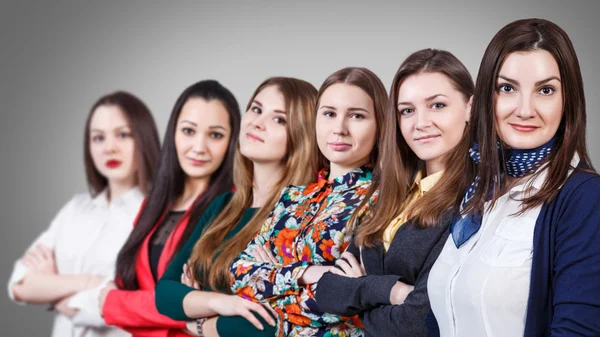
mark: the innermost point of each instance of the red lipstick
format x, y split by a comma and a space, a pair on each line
113, 163
523, 128
254, 137
197, 162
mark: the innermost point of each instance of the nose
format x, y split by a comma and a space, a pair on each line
525, 108
340, 128
423, 120
258, 123
110, 144
199, 146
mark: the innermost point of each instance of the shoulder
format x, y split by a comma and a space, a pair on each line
580, 187
220, 202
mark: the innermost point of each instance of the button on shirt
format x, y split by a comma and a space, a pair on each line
86, 235
481, 289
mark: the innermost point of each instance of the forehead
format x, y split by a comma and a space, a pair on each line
420, 86
346, 95
203, 112
530, 66
271, 98
107, 117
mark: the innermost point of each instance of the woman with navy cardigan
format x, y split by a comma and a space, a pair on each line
523, 256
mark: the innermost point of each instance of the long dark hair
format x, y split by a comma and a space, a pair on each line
145, 137
519, 36
398, 164
170, 180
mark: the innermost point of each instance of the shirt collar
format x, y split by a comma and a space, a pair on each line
352, 179
427, 183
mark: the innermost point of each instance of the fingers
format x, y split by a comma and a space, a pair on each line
270, 308
346, 268
337, 271
247, 314
46, 252
262, 255
260, 309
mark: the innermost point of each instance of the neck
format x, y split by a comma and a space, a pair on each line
433, 166
336, 170
193, 187
266, 176
117, 188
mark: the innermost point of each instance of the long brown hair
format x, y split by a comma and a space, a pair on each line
145, 137
301, 165
399, 164
374, 88
519, 36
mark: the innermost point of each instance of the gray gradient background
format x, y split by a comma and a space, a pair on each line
56, 60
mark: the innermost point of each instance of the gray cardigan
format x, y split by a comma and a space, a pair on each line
408, 259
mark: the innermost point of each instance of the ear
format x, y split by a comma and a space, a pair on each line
469, 105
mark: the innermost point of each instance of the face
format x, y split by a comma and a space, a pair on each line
112, 146
528, 99
263, 133
201, 137
432, 115
346, 126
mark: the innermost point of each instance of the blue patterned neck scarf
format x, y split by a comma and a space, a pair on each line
518, 163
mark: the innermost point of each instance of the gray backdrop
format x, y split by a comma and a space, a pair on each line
56, 60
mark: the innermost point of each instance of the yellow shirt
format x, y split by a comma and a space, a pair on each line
419, 188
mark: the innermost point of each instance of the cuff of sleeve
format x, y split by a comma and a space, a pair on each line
169, 299
286, 277
19, 272
379, 290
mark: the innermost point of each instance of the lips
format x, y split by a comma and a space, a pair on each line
523, 128
113, 163
426, 138
197, 162
254, 137
339, 146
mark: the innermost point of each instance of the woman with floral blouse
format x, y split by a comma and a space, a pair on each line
311, 225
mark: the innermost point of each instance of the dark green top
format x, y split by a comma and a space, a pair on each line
170, 291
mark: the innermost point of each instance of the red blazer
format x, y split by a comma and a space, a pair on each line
134, 310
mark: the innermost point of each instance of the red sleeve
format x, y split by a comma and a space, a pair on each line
135, 309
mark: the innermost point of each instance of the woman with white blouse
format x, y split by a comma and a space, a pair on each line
523, 257
67, 264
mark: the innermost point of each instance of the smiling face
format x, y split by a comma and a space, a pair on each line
432, 115
346, 127
528, 99
201, 137
111, 145
263, 133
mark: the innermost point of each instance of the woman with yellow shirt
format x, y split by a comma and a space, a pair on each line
382, 276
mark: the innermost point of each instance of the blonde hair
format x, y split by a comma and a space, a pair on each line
301, 167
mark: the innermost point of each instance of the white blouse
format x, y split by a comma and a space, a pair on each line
86, 235
481, 289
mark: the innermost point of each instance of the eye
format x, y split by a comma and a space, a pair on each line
547, 91
280, 120
506, 88
188, 131
97, 138
438, 105
406, 111
124, 134
357, 116
216, 135
256, 109
329, 113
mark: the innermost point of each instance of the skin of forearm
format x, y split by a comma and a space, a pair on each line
312, 274
43, 288
198, 303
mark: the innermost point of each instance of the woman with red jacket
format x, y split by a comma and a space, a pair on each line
195, 166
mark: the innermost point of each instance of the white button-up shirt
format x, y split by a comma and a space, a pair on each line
86, 235
481, 289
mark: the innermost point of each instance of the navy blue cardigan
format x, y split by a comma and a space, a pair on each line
564, 295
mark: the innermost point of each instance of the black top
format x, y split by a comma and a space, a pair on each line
159, 238
408, 259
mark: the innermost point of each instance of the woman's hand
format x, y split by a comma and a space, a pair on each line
41, 258
313, 274
232, 305
348, 266
63, 307
264, 254
399, 292
187, 279
104, 292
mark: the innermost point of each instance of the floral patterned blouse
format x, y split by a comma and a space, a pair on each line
307, 227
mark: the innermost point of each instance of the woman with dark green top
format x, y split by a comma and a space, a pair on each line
277, 147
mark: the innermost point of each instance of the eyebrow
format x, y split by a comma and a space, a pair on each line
432, 97
508, 79
260, 105
114, 129
349, 109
